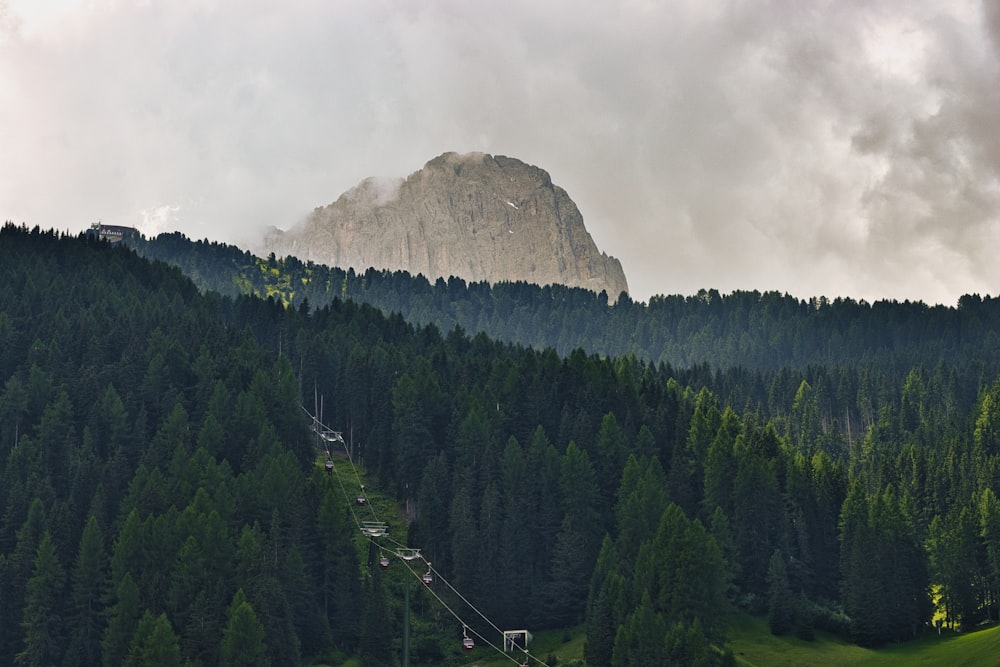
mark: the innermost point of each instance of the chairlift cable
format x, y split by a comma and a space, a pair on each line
317, 425
339, 438
463, 598
444, 604
459, 618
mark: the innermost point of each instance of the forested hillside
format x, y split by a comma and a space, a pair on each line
760, 331
163, 502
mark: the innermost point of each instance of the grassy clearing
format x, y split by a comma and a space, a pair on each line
352, 662
974, 648
755, 646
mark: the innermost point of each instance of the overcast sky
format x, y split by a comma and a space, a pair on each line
837, 148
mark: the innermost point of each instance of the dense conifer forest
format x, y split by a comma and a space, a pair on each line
761, 331
634, 470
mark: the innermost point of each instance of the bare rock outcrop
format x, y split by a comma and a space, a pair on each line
475, 216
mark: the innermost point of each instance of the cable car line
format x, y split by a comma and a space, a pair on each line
329, 435
462, 597
379, 529
465, 627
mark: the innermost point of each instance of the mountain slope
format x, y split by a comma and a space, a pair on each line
475, 216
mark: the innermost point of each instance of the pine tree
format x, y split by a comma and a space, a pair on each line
639, 642
19, 569
720, 466
565, 594
705, 423
884, 568
781, 612
341, 584
601, 622
952, 546
687, 572
256, 570
154, 644
989, 531
43, 624
718, 526
6, 614
491, 520
581, 501
464, 539
89, 579
123, 619
243, 643
757, 517
642, 497
687, 645
375, 626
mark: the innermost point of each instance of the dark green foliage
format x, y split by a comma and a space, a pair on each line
123, 619
781, 611
688, 645
243, 644
88, 586
954, 557
885, 578
989, 531
641, 639
341, 587
376, 631
19, 568
745, 329
758, 520
601, 625
154, 644
155, 432
257, 570
43, 622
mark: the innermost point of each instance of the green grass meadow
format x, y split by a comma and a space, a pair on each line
755, 646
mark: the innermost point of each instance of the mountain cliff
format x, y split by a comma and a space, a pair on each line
475, 216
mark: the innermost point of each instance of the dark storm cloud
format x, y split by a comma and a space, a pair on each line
837, 148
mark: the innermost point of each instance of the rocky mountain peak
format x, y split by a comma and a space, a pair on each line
475, 216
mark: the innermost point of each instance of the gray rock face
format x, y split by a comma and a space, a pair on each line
474, 216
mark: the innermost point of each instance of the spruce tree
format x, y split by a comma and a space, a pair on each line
20, 568
154, 644
6, 614
639, 641
376, 650
989, 531
89, 579
43, 623
123, 618
243, 643
600, 629
781, 610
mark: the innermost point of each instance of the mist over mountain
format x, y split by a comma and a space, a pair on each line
475, 216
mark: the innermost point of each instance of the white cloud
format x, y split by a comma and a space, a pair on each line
837, 148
